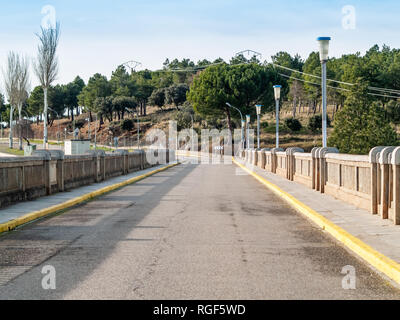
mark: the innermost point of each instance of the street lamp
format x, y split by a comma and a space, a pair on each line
258, 108
277, 91
248, 119
242, 121
323, 53
95, 134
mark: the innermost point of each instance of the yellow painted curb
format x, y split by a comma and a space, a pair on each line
379, 261
10, 225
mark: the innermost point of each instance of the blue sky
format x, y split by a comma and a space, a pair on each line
98, 35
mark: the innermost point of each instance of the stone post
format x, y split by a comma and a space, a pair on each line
262, 158
59, 156
314, 169
374, 160
321, 153
395, 162
291, 161
274, 161
384, 163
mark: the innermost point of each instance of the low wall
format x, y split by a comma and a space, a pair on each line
47, 172
368, 182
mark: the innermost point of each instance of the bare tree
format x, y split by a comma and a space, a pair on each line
22, 90
46, 66
11, 84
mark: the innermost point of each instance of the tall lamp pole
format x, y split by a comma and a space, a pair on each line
248, 119
258, 108
242, 122
277, 91
323, 53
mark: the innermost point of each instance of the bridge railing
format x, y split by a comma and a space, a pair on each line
368, 182
47, 172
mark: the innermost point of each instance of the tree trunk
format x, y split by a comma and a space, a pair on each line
45, 119
294, 107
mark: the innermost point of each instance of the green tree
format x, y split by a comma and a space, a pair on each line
361, 125
176, 94
35, 103
157, 98
97, 87
243, 86
72, 91
121, 105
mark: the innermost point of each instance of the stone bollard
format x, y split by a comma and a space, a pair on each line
395, 162
59, 156
321, 153
262, 158
374, 160
384, 163
314, 169
254, 157
274, 161
291, 161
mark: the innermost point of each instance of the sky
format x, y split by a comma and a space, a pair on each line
99, 35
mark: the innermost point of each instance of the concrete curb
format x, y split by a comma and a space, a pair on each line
11, 225
376, 259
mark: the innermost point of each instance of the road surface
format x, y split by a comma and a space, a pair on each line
192, 232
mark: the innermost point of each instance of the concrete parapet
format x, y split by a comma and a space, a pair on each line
47, 172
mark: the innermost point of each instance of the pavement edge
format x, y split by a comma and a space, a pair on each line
13, 224
376, 259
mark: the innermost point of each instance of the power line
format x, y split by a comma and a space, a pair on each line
312, 75
317, 84
338, 88
383, 90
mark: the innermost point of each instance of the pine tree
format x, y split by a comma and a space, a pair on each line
361, 125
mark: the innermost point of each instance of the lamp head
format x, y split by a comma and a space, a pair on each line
258, 108
277, 91
248, 119
323, 47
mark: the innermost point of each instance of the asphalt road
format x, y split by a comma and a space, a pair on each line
192, 232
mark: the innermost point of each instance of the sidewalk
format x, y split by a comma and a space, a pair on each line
380, 235
21, 209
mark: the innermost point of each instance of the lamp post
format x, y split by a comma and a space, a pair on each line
137, 114
277, 91
242, 121
248, 119
323, 53
258, 108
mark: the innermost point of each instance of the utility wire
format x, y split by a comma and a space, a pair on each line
383, 90
338, 88
317, 84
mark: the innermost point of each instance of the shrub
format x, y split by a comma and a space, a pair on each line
293, 124
315, 123
80, 123
127, 125
264, 125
